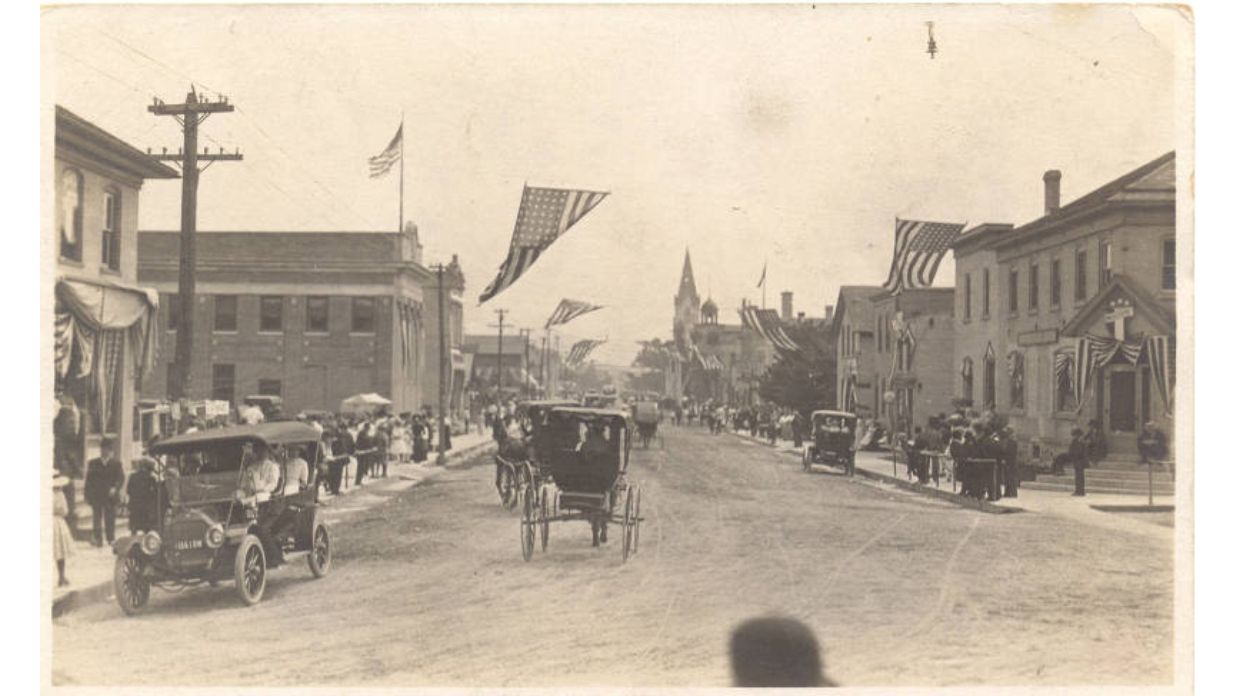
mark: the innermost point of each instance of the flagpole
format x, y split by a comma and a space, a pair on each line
400, 227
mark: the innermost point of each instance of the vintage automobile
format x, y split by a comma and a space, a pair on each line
832, 440
600, 400
519, 467
209, 530
587, 451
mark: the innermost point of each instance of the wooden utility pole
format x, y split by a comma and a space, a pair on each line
443, 359
526, 334
501, 323
190, 115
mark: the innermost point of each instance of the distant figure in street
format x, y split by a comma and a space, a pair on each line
776, 652
104, 480
143, 492
1077, 455
796, 428
1008, 461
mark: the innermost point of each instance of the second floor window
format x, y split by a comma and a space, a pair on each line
1169, 264
1032, 302
317, 315
271, 315
966, 299
225, 313
1105, 263
1013, 290
986, 292
69, 215
1055, 282
362, 315
1079, 282
111, 230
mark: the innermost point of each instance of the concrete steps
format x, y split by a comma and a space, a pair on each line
1117, 478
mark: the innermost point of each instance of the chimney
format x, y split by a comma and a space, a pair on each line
828, 312
1051, 191
787, 306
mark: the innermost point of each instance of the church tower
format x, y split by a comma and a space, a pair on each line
686, 304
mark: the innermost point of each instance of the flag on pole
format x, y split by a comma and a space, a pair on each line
918, 249
763, 275
568, 310
767, 324
544, 214
579, 351
382, 162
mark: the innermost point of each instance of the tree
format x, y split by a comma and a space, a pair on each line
804, 381
654, 355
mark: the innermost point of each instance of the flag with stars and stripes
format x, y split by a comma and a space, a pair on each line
918, 249
568, 310
544, 214
767, 324
382, 162
581, 349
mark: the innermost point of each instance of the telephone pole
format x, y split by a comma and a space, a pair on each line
501, 323
526, 334
190, 115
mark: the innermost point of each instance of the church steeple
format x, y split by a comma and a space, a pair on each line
686, 305
686, 286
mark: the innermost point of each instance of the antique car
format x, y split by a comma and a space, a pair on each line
587, 451
832, 440
647, 415
519, 468
600, 400
208, 529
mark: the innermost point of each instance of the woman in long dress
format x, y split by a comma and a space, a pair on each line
419, 442
62, 538
399, 441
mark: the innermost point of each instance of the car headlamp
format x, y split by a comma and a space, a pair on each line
214, 536
151, 543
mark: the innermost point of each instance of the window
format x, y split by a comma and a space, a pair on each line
1033, 302
270, 387
1054, 283
967, 380
271, 315
225, 313
880, 334
1017, 380
362, 315
966, 299
317, 315
223, 382
1064, 399
1079, 284
1013, 290
986, 293
1105, 263
172, 302
1169, 264
111, 230
989, 382
69, 215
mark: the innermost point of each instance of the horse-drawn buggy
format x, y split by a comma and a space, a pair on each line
586, 453
647, 417
832, 440
518, 462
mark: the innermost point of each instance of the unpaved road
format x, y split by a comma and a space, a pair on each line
430, 589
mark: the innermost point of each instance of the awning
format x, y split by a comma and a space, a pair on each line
359, 403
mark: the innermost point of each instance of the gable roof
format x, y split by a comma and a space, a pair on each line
1161, 318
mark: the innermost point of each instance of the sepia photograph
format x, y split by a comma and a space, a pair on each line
616, 346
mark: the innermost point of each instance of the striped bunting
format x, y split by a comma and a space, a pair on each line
568, 310
381, 163
581, 350
767, 324
544, 214
918, 249
1158, 355
64, 343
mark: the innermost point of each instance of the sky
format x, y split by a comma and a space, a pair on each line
749, 134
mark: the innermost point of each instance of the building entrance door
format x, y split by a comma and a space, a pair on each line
1122, 407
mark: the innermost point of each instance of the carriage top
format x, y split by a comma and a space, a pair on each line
273, 433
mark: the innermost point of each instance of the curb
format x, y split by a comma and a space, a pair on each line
948, 496
75, 599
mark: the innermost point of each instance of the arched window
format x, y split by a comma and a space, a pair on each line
967, 379
69, 214
1017, 379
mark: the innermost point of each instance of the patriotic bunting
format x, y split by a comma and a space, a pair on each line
568, 310
544, 215
381, 163
1094, 352
767, 324
1157, 349
918, 249
410, 326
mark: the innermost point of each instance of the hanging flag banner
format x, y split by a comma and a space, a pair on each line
544, 215
918, 249
767, 324
568, 310
581, 350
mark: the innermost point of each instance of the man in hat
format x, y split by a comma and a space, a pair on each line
1077, 455
104, 480
143, 492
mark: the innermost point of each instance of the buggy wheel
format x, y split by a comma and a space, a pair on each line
628, 524
527, 528
544, 519
319, 552
635, 541
130, 583
250, 570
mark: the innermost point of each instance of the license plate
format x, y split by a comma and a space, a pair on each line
187, 544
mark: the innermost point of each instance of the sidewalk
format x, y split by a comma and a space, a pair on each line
90, 571
1090, 509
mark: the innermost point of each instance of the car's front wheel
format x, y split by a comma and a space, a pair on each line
319, 553
250, 570
130, 583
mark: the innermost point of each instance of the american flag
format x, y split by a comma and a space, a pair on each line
918, 249
767, 324
581, 349
382, 162
544, 214
568, 310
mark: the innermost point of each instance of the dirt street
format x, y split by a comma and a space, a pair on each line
429, 588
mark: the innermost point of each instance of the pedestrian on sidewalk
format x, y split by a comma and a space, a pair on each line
104, 480
1077, 455
366, 447
446, 433
62, 538
1012, 477
382, 441
66, 427
796, 428
143, 492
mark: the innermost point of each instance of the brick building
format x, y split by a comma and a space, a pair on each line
1101, 268
912, 355
104, 337
852, 327
313, 317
